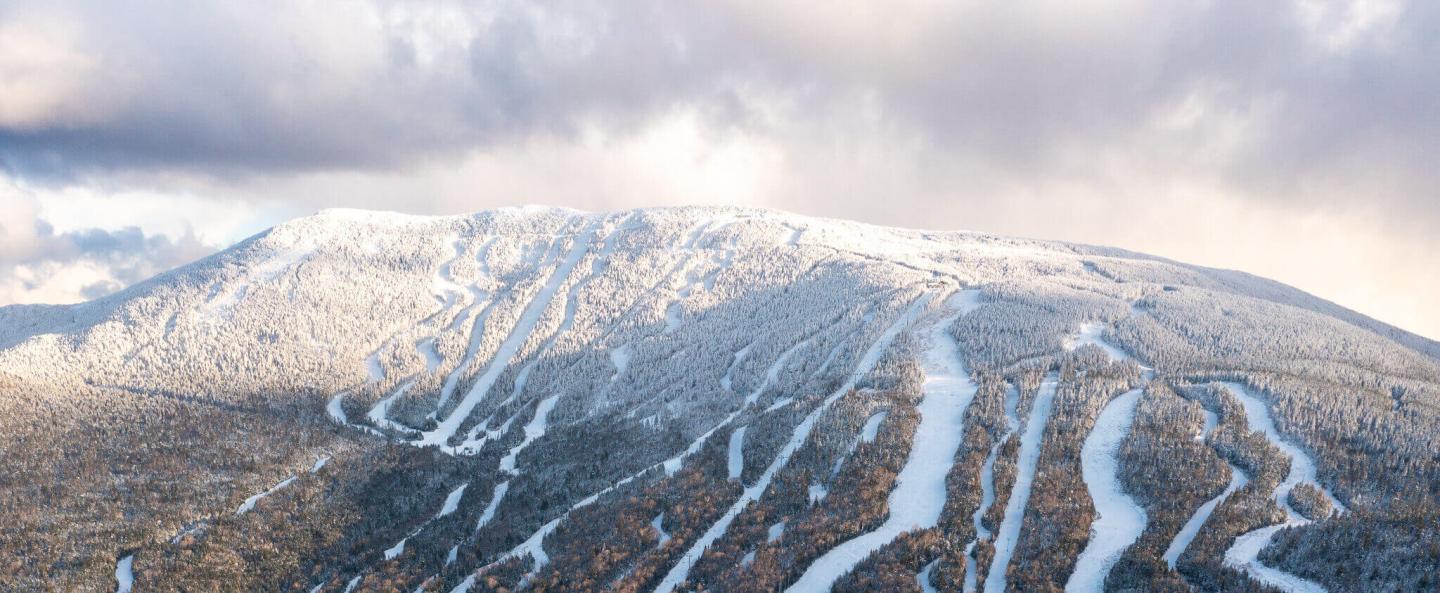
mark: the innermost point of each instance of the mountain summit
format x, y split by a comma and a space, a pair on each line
709, 399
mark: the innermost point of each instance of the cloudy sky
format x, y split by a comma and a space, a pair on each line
1295, 139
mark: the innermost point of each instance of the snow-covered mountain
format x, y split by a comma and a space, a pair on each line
709, 399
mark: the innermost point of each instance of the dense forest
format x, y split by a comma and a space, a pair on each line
707, 400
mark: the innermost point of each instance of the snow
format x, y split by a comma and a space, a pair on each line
1119, 520
452, 501
919, 493
1090, 335
620, 357
987, 487
1244, 554
533, 430
737, 452
125, 574
250, 502
379, 413
1187, 533
452, 555
426, 348
1192, 527
775, 532
519, 334
317, 588
355, 582
495, 497
817, 492
923, 579
319, 463
872, 427
336, 410
681, 570
374, 368
396, 549
659, 525
727, 380
223, 304
1030, 440
464, 586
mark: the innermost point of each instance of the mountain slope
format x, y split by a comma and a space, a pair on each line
555, 400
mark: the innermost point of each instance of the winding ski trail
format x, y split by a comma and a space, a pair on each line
1187, 533
1119, 519
249, 503
1244, 554
919, 493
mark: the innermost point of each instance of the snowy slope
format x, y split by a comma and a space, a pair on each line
661, 373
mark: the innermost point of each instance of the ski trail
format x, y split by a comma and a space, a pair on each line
250, 502
1244, 554
1192, 527
1029, 454
125, 574
737, 358
472, 349
452, 502
534, 545
924, 578
1119, 520
426, 348
872, 427
512, 344
737, 452
919, 493
379, 413
535, 429
659, 526
221, 304
495, 497
336, 410
474, 441
620, 357
464, 586
987, 488
681, 571
319, 463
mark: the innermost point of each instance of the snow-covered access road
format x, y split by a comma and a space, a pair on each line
919, 493
1244, 554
